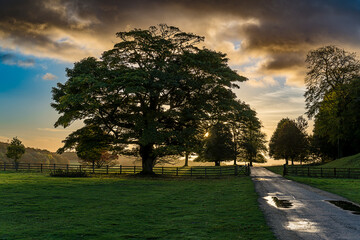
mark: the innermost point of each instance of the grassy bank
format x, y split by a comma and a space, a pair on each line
35, 206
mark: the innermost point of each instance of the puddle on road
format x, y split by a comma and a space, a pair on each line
346, 206
282, 203
261, 179
278, 203
302, 225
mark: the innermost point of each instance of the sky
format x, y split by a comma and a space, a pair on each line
265, 41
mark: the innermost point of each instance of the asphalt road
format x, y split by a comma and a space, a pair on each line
297, 211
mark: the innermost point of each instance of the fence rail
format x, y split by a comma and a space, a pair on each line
174, 171
320, 172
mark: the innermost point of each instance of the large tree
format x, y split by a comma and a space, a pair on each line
146, 89
288, 141
15, 150
330, 95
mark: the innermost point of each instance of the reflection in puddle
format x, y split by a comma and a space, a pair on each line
261, 179
346, 206
282, 203
278, 203
302, 225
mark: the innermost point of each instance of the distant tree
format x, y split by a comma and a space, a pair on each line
288, 141
218, 145
15, 150
92, 145
146, 89
253, 143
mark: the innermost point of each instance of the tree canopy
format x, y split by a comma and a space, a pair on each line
288, 141
15, 150
332, 97
147, 89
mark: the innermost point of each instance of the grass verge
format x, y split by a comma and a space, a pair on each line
36, 206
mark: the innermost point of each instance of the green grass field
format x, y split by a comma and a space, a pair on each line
35, 206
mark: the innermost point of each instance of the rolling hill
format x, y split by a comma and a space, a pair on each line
346, 162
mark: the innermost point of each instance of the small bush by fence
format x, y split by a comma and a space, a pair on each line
172, 171
311, 171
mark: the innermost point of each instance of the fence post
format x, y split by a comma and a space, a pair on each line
162, 170
120, 169
308, 171
334, 172
134, 169
41, 167
284, 170
67, 168
220, 171
80, 167
349, 173
321, 172
205, 171
107, 169
29, 166
93, 168
190, 171
4, 166
177, 171
235, 170
54, 166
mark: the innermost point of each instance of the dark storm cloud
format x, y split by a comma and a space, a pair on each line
12, 59
282, 30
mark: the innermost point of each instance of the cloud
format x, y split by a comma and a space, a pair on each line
49, 77
53, 130
281, 32
12, 59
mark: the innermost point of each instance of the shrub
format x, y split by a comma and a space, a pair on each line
67, 173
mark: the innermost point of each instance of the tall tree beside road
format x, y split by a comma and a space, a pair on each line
146, 89
330, 97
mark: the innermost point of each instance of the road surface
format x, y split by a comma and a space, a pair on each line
297, 211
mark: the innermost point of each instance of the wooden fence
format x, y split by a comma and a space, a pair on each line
311, 171
174, 171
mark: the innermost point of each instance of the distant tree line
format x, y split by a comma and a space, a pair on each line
333, 100
157, 94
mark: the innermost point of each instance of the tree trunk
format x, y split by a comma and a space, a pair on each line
292, 161
186, 159
217, 163
148, 159
286, 161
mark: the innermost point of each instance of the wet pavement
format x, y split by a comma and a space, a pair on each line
298, 211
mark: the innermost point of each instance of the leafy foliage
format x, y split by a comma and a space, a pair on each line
332, 96
147, 90
289, 141
91, 145
218, 145
15, 150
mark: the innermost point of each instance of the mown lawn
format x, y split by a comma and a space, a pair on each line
36, 206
